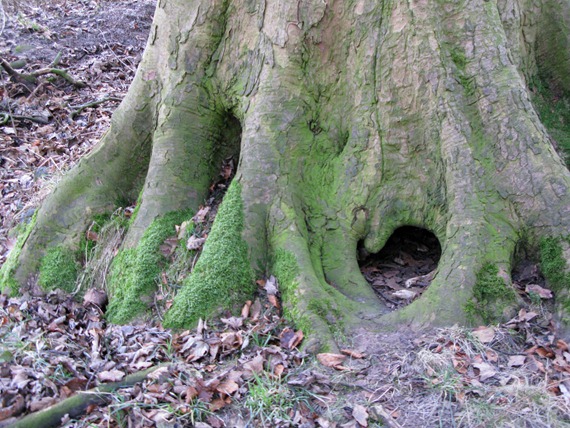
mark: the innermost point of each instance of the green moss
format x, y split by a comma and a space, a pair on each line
222, 276
555, 270
134, 271
286, 270
554, 111
553, 265
491, 296
58, 269
8, 283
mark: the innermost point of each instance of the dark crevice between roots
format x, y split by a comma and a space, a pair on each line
404, 268
530, 284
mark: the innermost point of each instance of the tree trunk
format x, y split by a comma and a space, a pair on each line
351, 118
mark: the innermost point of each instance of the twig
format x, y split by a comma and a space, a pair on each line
78, 109
59, 72
76, 405
31, 78
36, 119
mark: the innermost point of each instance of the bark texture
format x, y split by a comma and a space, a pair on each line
351, 118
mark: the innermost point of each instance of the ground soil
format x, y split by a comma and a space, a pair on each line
514, 374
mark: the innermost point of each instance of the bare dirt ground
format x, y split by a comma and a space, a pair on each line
239, 371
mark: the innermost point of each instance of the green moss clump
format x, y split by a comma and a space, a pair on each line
554, 111
491, 296
555, 270
58, 269
222, 276
553, 265
134, 271
8, 283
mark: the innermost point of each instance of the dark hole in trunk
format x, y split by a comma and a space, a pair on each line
404, 268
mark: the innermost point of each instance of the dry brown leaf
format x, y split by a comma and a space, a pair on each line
233, 322
14, 409
360, 414
228, 387
543, 293
273, 300
486, 371
160, 373
95, 297
353, 354
484, 334
516, 360
201, 215
290, 339
111, 376
330, 360
245, 309
255, 311
200, 349
219, 403
195, 243
271, 286
253, 366
191, 393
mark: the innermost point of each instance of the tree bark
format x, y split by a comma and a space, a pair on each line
356, 117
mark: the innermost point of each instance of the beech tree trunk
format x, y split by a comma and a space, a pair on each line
351, 118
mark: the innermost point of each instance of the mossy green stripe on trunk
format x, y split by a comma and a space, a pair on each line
223, 276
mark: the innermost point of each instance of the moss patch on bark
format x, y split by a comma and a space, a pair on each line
557, 272
8, 283
554, 111
286, 270
491, 296
222, 276
59, 269
134, 271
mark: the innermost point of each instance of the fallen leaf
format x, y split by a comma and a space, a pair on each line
273, 300
95, 297
486, 371
330, 360
484, 334
111, 376
543, 293
253, 366
360, 414
255, 310
271, 286
201, 215
233, 322
516, 360
228, 387
353, 354
404, 294
245, 309
290, 339
195, 243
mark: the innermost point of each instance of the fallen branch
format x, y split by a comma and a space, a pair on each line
31, 78
76, 405
78, 109
5, 117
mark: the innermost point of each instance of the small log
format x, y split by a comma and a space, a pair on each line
76, 405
